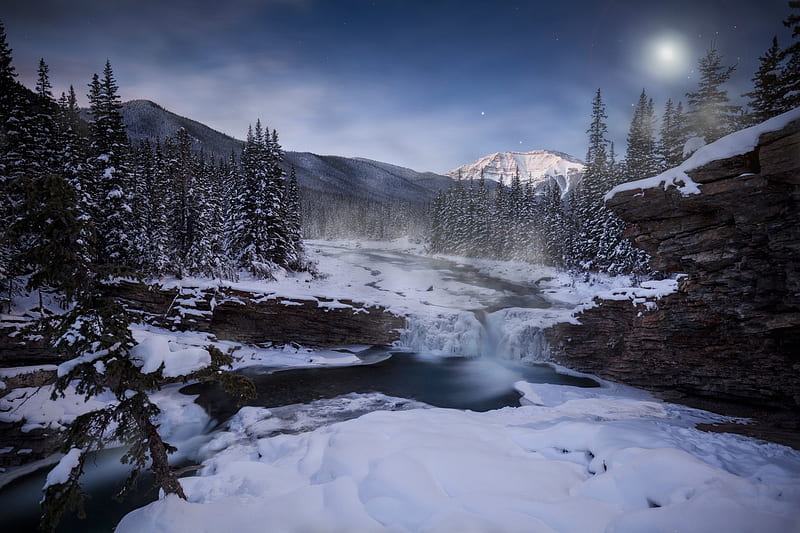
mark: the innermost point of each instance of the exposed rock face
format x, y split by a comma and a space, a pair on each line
260, 318
732, 331
232, 315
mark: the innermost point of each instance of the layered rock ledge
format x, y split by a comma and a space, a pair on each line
732, 330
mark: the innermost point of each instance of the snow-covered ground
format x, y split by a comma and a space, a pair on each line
584, 460
569, 459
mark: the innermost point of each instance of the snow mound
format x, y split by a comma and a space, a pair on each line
154, 351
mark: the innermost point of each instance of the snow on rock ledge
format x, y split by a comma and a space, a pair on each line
740, 143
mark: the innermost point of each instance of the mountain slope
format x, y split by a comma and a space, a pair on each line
351, 177
535, 167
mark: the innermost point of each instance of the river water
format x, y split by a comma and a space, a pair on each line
455, 381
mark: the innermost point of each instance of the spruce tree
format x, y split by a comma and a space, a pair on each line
108, 175
19, 153
673, 135
589, 212
710, 114
641, 158
790, 74
183, 205
58, 248
768, 97
293, 219
279, 248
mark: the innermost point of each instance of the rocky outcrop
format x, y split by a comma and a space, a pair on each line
732, 331
261, 318
228, 314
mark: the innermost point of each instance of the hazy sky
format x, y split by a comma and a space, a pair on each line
426, 84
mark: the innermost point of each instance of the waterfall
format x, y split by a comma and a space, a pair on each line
506, 334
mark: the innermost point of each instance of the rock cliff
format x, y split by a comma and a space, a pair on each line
261, 318
732, 331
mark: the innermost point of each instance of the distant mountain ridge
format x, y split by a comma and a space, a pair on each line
344, 176
535, 166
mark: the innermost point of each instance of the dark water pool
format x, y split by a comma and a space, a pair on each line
105, 475
478, 384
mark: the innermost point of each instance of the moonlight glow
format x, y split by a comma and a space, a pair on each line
667, 57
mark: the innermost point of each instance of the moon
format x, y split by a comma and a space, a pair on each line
667, 57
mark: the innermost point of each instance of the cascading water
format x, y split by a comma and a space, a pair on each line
509, 334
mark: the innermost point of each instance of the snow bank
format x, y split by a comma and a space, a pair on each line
12, 372
155, 351
740, 142
589, 461
34, 406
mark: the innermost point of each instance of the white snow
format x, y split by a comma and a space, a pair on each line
155, 350
6, 373
740, 142
60, 473
586, 461
33, 406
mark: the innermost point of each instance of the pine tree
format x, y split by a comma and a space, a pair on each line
279, 248
790, 74
293, 219
108, 175
710, 115
768, 97
641, 158
260, 239
18, 162
58, 248
96, 336
673, 136
587, 204
183, 208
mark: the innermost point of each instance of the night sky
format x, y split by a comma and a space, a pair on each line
425, 84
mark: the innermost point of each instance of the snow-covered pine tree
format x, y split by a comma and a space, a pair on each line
45, 135
205, 255
72, 148
497, 220
57, 252
294, 222
768, 97
109, 175
260, 239
18, 147
588, 211
711, 115
182, 207
555, 230
280, 249
438, 228
55, 238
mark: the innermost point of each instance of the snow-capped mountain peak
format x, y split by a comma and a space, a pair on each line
534, 166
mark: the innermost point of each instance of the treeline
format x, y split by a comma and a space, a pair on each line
80, 204
573, 229
336, 216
